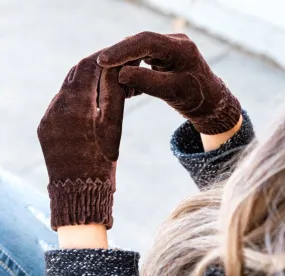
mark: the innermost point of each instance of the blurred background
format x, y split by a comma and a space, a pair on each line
40, 41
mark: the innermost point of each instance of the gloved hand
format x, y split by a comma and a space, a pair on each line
80, 136
180, 76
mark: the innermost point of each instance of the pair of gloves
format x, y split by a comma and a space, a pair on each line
81, 130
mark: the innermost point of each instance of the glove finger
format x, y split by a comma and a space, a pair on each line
69, 76
145, 44
111, 103
134, 62
85, 74
159, 65
81, 84
154, 62
112, 98
131, 92
154, 83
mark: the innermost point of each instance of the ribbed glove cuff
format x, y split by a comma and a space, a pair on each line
81, 202
223, 118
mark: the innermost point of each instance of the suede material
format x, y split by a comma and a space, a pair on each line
80, 136
180, 76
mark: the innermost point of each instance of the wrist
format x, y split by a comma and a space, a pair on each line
212, 142
90, 236
224, 117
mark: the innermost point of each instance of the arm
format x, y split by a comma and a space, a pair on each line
101, 261
85, 251
94, 236
212, 142
181, 77
90, 236
216, 164
80, 143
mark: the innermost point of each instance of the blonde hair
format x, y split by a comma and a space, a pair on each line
239, 225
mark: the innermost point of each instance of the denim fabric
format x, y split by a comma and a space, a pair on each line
24, 228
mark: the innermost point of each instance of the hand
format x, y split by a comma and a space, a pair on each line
180, 76
80, 136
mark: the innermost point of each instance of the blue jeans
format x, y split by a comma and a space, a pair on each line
24, 228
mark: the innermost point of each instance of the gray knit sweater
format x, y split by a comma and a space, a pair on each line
203, 167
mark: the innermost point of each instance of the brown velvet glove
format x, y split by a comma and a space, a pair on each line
180, 76
80, 136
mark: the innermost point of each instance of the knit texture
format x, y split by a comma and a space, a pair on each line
224, 115
218, 270
77, 202
204, 167
92, 262
213, 166
215, 270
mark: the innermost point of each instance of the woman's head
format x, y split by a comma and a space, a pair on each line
239, 226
